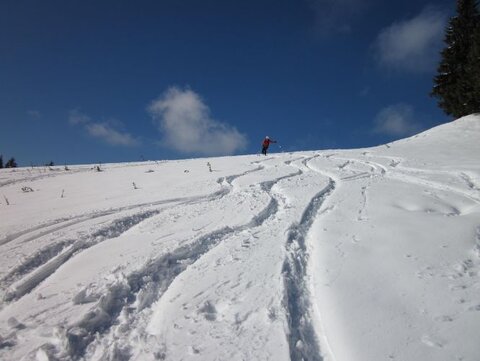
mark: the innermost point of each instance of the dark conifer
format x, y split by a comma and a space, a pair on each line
454, 84
11, 163
472, 99
1, 161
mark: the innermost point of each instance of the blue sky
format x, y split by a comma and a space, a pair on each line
107, 81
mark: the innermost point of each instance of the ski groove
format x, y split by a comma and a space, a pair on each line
67, 222
302, 339
408, 178
47, 253
42, 176
142, 288
41, 273
49, 259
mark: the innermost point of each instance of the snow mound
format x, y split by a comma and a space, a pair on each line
345, 255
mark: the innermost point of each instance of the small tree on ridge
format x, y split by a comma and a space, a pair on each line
11, 163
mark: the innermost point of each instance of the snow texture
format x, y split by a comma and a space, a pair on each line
341, 255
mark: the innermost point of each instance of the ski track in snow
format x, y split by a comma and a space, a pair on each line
145, 287
47, 260
113, 314
471, 183
464, 273
407, 174
130, 295
49, 174
142, 288
415, 180
303, 341
60, 224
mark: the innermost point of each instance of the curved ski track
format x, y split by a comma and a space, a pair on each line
395, 173
303, 341
146, 286
129, 300
141, 287
48, 259
139, 290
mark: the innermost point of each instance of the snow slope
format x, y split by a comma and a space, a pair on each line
344, 255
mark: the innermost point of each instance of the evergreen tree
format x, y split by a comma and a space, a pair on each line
1, 161
11, 163
455, 85
473, 69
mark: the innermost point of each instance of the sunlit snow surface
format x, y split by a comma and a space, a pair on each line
342, 255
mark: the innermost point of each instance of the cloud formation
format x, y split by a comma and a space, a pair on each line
333, 16
76, 117
397, 120
111, 136
412, 45
34, 114
187, 127
104, 131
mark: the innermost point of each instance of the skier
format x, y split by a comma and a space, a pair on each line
266, 142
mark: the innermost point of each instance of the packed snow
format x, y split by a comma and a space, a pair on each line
340, 255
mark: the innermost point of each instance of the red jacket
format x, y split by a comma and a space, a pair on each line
266, 142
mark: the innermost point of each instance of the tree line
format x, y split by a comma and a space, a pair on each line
11, 163
457, 83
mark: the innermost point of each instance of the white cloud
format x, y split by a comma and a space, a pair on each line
397, 120
111, 136
104, 131
34, 114
365, 91
412, 45
334, 15
76, 117
187, 127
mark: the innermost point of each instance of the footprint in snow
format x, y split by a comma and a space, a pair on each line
14, 323
465, 268
425, 273
272, 314
444, 318
193, 350
209, 311
7, 342
246, 243
432, 342
475, 308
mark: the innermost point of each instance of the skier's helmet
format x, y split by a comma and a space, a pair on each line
267, 137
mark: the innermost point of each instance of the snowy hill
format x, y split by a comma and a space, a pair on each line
343, 255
